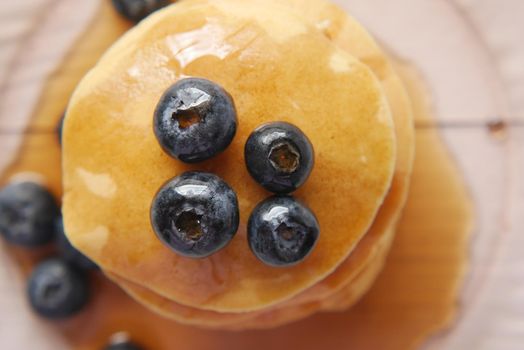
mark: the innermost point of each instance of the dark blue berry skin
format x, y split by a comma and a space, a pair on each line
195, 214
282, 231
57, 289
123, 346
195, 120
27, 214
279, 157
68, 252
136, 10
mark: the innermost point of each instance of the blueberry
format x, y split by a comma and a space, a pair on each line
279, 157
57, 289
195, 214
282, 231
27, 214
68, 252
194, 120
126, 345
136, 10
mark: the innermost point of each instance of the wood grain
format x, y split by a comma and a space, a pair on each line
471, 90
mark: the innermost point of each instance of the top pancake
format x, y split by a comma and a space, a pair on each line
276, 68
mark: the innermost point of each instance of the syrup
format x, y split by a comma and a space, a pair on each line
414, 296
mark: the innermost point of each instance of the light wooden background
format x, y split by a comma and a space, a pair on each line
472, 54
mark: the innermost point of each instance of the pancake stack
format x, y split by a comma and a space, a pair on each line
306, 63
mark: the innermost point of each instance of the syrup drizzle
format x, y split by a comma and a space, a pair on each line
414, 296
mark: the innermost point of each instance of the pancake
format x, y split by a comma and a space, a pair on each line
276, 69
346, 32
257, 319
352, 37
273, 317
178, 312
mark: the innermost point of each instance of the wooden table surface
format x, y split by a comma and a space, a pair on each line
470, 51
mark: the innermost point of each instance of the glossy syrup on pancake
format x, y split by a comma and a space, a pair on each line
348, 34
112, 311
275, 68
382, 310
